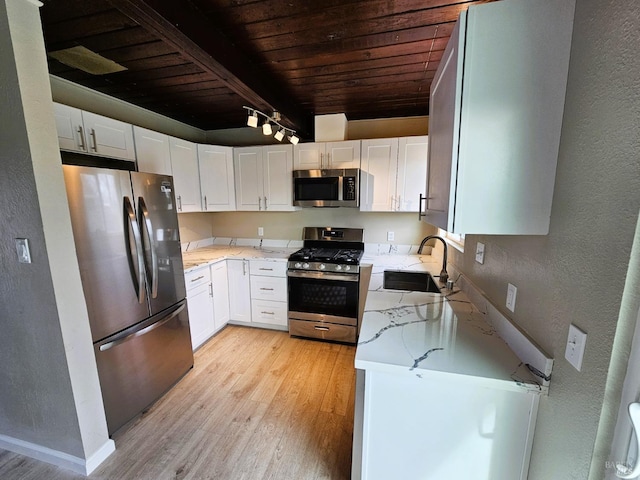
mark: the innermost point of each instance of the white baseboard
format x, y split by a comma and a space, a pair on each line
55, 457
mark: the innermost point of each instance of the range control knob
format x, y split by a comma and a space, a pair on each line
338, 268
297, 265
347, 267
322, 266
305, 265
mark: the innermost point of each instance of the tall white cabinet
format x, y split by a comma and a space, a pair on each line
263, 178
393, 173
496, 110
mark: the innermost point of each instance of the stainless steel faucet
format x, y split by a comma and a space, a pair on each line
443, 273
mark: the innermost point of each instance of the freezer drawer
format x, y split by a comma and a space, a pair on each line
137, 368
322, 330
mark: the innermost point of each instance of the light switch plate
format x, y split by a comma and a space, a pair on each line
260, 231
391, 236
512, 290
576, 342
480, 252
22, 247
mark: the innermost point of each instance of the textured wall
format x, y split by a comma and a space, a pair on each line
577, 272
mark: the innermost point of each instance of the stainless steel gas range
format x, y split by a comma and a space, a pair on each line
328, 285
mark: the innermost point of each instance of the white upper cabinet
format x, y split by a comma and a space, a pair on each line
325, 155
216, 178
86, 132
264, 178
393, 173
186, 179
496, 108
153, 152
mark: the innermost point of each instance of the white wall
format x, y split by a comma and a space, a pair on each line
577, 272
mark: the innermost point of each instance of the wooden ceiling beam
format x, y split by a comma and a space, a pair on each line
197, 40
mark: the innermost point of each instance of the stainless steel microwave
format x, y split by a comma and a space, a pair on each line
326, 188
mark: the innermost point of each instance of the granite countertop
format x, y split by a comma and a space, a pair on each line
428, 335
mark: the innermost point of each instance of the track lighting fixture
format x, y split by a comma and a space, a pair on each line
267, 129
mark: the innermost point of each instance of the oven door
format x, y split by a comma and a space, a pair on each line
325, 297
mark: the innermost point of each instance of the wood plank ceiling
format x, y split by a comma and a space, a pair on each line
200, 61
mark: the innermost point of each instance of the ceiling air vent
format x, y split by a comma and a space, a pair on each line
84, 59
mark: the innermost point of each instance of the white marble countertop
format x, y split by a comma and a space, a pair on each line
207, 255
425, 335
428, 335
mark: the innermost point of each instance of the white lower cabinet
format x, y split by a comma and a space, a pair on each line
220, 282
239, 291
269, 293
439, 428
200, 305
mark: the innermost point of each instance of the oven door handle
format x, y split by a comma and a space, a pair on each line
342, 277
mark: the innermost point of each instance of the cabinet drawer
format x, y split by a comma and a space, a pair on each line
322, 330
269, 269
268, 288
265, 311
197, 277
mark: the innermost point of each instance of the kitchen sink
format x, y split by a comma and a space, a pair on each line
409, 280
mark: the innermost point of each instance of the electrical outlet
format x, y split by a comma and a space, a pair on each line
480, 252
511, 297
391, 236
260, 231
576, 341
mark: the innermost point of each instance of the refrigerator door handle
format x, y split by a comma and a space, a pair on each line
143, 331
130, 225
145, 221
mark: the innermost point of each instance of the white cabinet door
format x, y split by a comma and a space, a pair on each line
343, 154
412, 171
186, 180
153, 152
70, 128
200, 305
247, 162
216, 178
379, 170
108, 137
277, 171
269, 312
308, 156
220, 284
239, 290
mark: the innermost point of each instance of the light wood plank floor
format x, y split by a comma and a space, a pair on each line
257, 405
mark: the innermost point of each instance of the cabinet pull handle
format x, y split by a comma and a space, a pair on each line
179, 202
266, 269
265, 203
420, 214
82, 145
259, 203
324, 329
268, 289
95, 142
198, 278
321, 161
244, 268
268, 313
211, 289
205, 202
329, 160
399, 203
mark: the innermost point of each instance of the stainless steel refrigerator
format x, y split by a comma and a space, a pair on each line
128, 246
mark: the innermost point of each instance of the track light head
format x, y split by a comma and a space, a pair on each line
266, 128
280, 135
252, 120
293, 139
